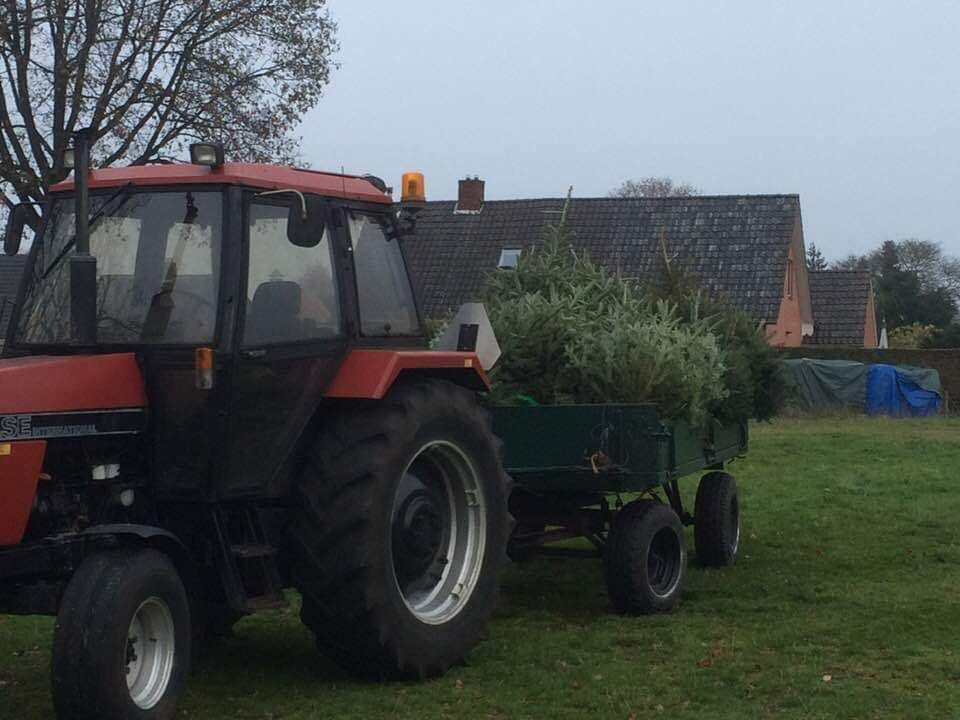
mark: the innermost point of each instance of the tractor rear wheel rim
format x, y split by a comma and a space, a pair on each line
150, 653
438, 533
663, 562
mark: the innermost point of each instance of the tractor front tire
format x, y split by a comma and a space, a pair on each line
401, 532
121, 644
646, 558
716, 522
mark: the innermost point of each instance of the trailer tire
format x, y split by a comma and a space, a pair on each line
122, 639
716, 525
646, 558
401, 532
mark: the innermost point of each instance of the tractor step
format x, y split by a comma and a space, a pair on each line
266, 602
248, 564
253, 550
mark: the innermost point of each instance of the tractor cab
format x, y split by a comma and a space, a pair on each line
214, 388
238, 289
192, 254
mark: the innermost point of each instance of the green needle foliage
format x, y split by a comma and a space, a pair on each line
573, 332
754, 376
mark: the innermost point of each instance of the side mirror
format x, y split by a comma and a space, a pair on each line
14, 232
308, 216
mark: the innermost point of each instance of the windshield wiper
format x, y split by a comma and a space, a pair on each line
125, 190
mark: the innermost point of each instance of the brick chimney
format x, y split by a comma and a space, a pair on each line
470, 196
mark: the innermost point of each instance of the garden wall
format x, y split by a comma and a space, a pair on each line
946, 362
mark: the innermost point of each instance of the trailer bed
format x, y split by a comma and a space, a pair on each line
587, 449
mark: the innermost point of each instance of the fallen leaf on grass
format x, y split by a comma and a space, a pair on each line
705, 663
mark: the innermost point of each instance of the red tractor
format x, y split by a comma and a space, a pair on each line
215, 386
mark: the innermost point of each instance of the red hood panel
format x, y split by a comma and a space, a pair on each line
48, 383
20, 465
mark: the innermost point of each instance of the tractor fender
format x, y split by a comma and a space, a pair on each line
153, 537
369, 374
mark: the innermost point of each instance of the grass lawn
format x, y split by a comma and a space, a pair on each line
844, 603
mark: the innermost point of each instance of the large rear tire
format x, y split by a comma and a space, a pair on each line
121, 645
401, 529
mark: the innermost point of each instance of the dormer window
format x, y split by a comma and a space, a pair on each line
509, 257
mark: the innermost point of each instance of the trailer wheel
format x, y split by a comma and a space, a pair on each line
401, 532
716, 527
646, 558
121, 646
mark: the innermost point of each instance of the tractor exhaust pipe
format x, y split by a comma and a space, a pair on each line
83, 265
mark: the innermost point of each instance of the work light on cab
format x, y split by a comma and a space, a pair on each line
210, 154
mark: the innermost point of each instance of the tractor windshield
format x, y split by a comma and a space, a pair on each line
158, 262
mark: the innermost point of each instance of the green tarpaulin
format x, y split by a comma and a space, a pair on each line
835, 384
827, 383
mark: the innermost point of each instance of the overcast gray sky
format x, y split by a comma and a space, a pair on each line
853, 105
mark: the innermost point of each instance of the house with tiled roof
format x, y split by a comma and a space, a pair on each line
11, 270
747, 248
844, 310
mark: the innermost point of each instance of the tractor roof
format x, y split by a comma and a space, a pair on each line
268, 177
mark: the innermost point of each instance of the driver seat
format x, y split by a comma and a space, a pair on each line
274, 313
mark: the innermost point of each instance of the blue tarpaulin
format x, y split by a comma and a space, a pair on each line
898, 392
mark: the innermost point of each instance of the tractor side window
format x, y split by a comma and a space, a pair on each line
383, 286
291, 291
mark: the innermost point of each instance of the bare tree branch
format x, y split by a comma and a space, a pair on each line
149, 76
653, 187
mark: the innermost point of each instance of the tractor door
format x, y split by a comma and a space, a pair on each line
292, 336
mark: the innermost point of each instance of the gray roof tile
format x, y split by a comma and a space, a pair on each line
839, 299
736, 244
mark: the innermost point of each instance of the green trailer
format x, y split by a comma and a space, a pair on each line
572, 465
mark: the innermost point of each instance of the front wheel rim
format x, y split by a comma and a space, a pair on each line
438, 537
150, 653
